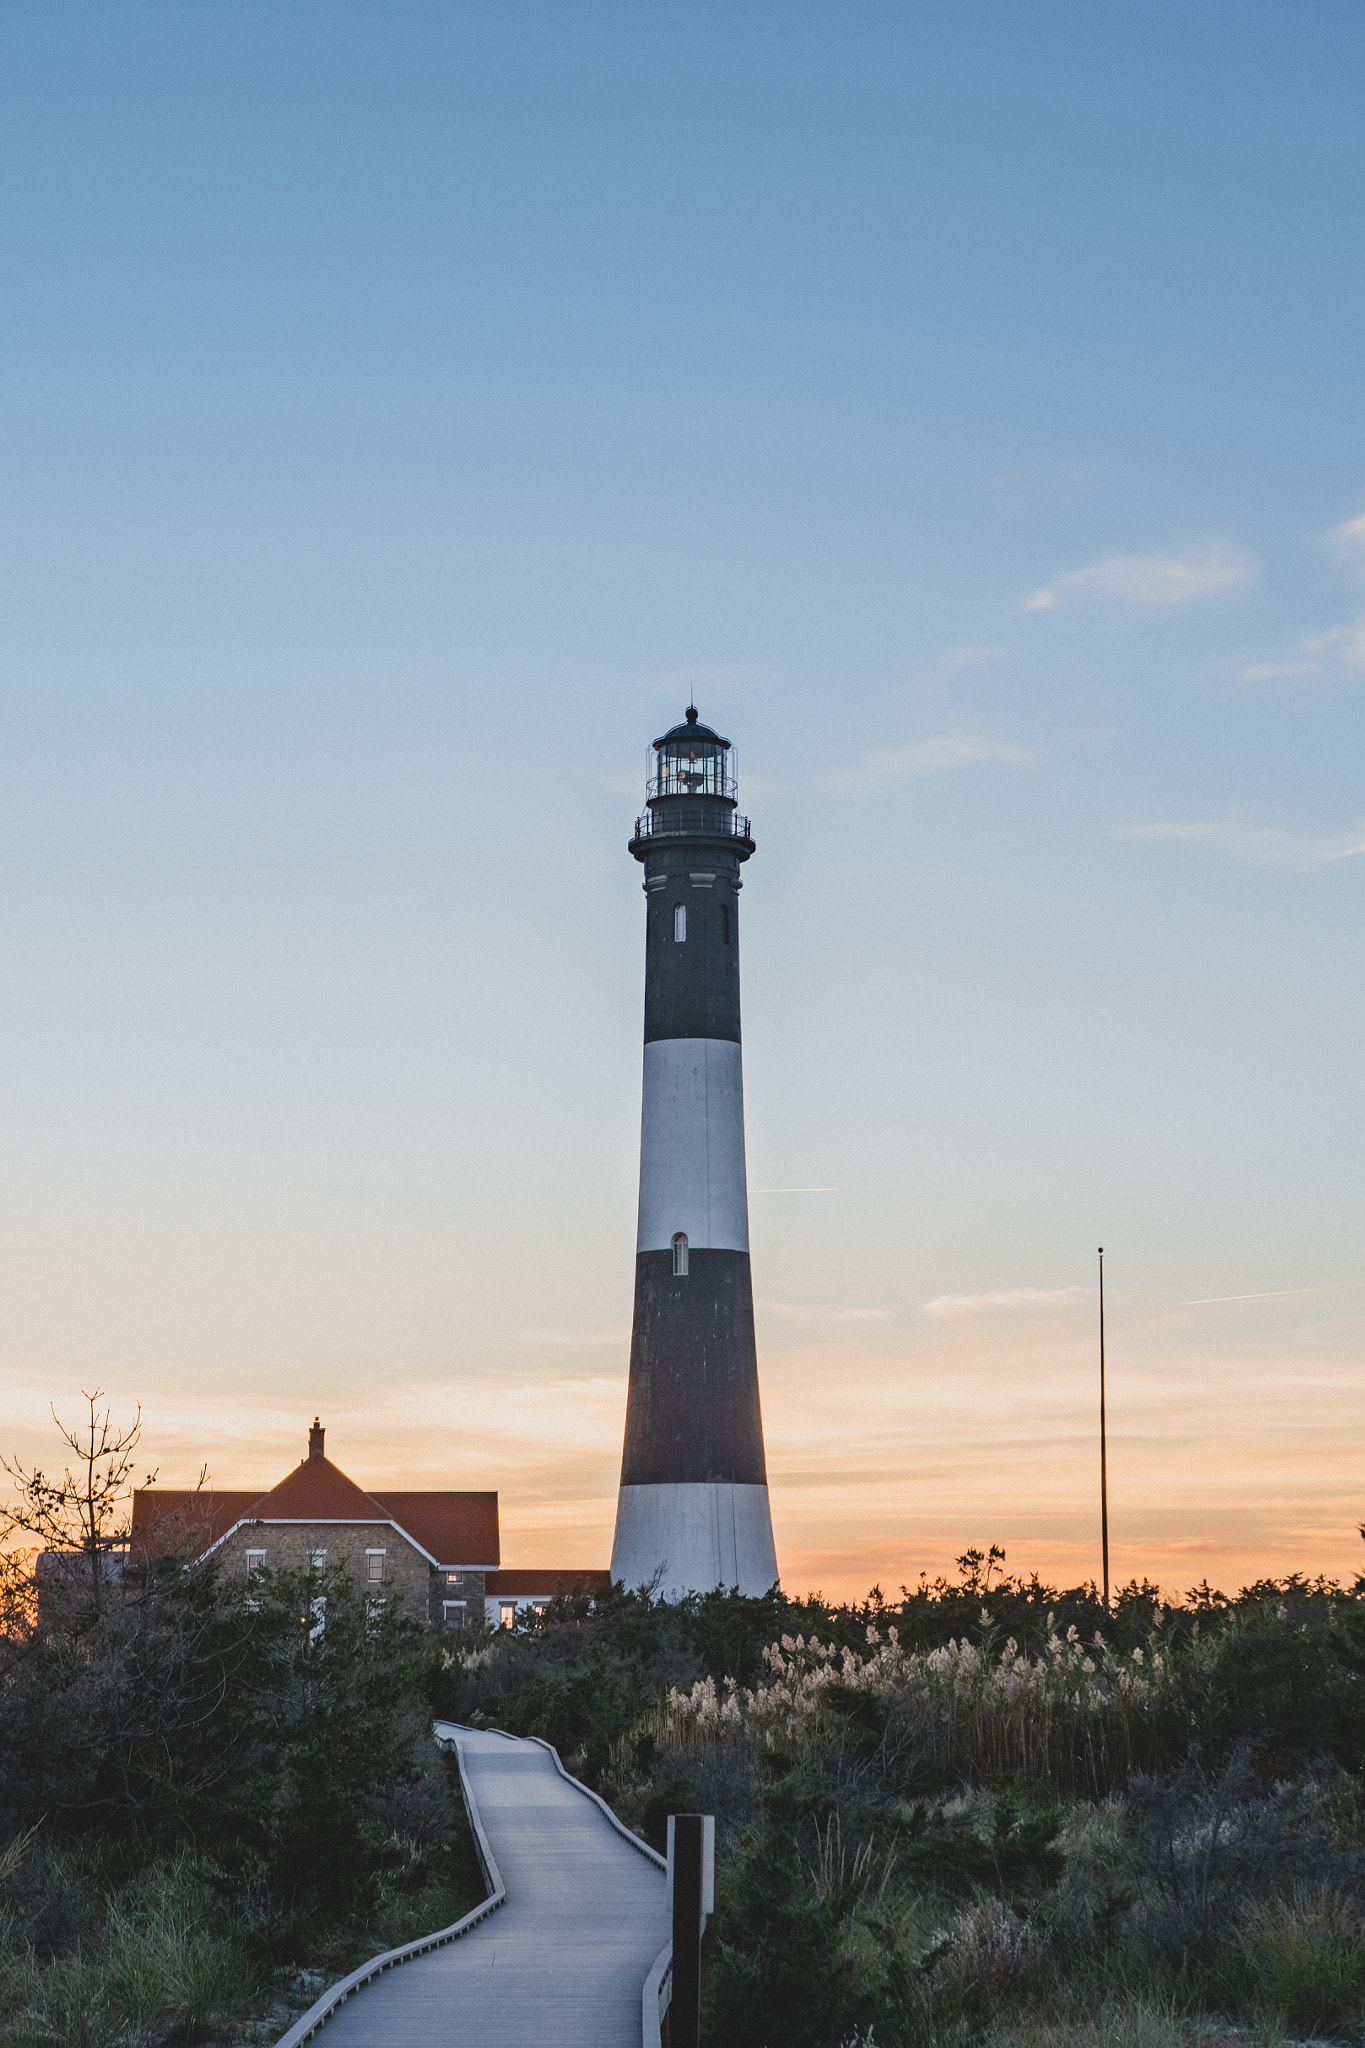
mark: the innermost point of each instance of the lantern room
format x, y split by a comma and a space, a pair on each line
692, 760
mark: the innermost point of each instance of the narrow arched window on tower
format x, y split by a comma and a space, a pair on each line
725, 923
680, 922
679, 1254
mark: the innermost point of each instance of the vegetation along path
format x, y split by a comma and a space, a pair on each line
565, 1957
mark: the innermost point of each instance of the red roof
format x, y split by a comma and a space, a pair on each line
315, 1491
454, 1528
166, 1518
559, 1579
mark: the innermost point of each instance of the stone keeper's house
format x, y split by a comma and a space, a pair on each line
440, 1550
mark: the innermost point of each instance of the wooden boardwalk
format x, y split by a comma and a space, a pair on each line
562, 1961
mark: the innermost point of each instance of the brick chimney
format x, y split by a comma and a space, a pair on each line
315, 1436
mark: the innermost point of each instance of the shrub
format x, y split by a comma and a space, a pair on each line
986, 1957
70, 2003
1306, 1958
1277, 1674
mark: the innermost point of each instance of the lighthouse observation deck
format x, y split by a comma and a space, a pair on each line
693, 820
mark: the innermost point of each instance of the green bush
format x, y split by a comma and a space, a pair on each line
1306, 1959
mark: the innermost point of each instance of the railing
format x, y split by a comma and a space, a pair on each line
336, 1995
714, 820
656, 1999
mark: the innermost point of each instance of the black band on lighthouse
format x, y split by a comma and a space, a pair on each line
693, 1415
692, 983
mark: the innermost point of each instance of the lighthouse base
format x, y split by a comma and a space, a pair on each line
692, 1539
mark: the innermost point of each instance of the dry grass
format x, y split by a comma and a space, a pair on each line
1135, 2023
1078, 1717
1305, 1956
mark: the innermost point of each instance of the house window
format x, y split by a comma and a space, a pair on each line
454, 1578
317, 1558
679, 922
540, 1607
725, 924
374, 1566
679, 1254
455, 1612
507, 1614
255, 1562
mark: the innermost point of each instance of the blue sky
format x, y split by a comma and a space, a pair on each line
401, 412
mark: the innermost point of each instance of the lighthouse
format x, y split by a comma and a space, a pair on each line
693, 1508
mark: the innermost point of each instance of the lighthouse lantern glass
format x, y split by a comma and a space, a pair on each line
692, 763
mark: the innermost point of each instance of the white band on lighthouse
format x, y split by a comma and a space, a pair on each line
692, 1176
694, 1537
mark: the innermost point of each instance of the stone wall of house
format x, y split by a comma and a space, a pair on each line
448, 1589
290, 1546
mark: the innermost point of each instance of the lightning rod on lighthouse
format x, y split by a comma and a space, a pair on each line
693, 1508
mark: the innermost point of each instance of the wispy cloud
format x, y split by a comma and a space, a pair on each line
1338, 652
545, 1393
943, 750
1269, 843
959, 657
1046, 487
1003, 1298
1347, 541
575, 1337
806, 1312
1149, 582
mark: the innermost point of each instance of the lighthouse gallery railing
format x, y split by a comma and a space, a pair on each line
710, 819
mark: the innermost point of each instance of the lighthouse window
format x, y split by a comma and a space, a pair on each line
725, 923
679, 1254
679, 922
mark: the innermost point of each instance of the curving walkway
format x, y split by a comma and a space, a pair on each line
563, 1960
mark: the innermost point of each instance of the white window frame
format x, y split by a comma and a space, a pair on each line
455, 1613
679, 923
507, 1614
680, 1249
255, 1562
373, 1577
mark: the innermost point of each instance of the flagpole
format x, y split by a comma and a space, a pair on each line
1104, 1472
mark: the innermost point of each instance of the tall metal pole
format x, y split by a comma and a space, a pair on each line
1104, 1470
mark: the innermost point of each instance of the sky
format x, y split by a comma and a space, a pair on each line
403, 411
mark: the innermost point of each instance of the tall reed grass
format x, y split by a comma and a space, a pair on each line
1078, 1717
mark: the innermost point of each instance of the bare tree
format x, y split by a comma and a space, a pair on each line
84, 1513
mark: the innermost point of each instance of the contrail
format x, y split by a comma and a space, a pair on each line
1270, 1294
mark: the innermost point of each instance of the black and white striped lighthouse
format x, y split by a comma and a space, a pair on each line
693, 1509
